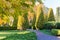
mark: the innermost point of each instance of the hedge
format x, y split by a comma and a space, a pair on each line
57, 25
55, 31
48, 26
8, 28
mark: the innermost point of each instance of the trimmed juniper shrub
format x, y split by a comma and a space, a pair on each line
49, 26
57, 25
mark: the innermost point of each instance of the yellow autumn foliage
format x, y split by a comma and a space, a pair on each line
1, 21
20, 22
5, 19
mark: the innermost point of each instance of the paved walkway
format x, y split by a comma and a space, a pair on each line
42, 36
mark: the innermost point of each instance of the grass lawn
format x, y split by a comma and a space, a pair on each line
17, 35
48, 32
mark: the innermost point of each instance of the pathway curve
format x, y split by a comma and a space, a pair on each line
42, 36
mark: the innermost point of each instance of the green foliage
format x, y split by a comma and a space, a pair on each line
57, 25
26, 23
23, 9
33, 21
1, 10
8, 28
40, 19
49, 25
17, 35
45, 17
55, 31
51, 15
15, 8
45, 31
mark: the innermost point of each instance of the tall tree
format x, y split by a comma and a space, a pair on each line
45, 17
39, 19
57, 14
15, 8
51, 15
33, 21
25, 23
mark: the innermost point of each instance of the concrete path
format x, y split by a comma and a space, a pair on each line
42, 36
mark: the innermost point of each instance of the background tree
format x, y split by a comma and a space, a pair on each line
57, 16
51, 15
40, 1
24, 6
45, 17
15, 8
25, 23
33, 21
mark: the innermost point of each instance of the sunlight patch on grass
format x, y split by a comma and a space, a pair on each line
23, 32
2, 37
6, 33
17, 35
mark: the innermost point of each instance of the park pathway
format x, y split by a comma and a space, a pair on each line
42, 36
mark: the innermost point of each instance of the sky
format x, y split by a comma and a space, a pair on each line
52, 4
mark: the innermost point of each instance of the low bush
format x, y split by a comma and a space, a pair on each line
8, 28
57, 25
55, 31
48, 26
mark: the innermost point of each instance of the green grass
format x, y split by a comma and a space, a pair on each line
48, 32
17, 35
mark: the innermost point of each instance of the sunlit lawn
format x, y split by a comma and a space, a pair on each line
17, 35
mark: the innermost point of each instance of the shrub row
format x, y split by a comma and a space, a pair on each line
57, 25
51, 26
55, 31
8, 28
48, 26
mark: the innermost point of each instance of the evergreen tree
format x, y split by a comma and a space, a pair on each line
40, 19
51, 15
25, 23
45, 17
33, 21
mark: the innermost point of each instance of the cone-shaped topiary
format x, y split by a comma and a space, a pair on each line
25, 23
40, 19
51, 15
20, 22
33, 21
